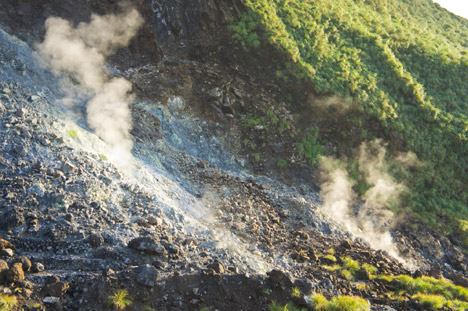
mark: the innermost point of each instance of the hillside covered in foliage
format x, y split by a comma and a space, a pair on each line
403, 62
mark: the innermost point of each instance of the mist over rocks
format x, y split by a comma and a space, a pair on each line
82, 52
198, 225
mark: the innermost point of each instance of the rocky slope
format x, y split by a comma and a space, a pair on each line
196, 221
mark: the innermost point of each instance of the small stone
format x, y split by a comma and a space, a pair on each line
68, 167
155, 221
21, 112
3, 265
35, 98
38, 267
276, 276
96, 240
345, 244
51, 300
7, 252
108, 272
285, 213
6, 91
195, 290
6, 244
217, 266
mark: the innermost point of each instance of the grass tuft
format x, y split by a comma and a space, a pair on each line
120, 300
7, 303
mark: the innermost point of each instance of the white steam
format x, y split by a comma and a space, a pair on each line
81, 51
371, 219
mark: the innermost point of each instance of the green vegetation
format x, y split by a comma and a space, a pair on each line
7, 303
340, 303
72, 133
431, 293
296, 292
103, 157
428, 285
120, 300
310, 148
288, 307
405, 63
350, 264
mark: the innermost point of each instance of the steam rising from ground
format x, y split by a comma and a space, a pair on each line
371, 220
81, 51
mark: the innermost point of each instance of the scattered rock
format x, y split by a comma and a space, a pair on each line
26, 263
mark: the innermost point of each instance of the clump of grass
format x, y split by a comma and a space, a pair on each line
351, 265
102, 157
431, 301
347, 274
295, 292
7, 303
288, 307
319, 302
72, 133
429, 285
369, 268
332, 268
340, 303
330, 257
120, 300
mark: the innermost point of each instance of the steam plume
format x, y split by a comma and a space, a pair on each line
81, 51
372, 218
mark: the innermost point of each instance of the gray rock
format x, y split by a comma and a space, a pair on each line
148, 246
217, 266
96, 240
38, 267
147, 275
7, 252
68, 167
51, 300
